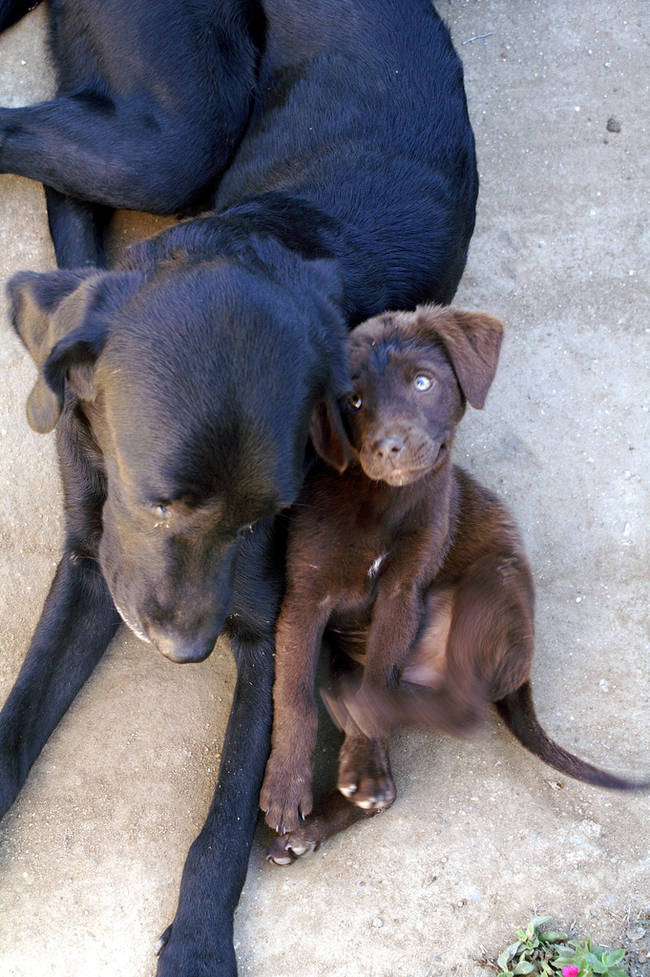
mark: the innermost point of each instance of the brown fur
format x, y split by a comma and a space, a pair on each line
410, 565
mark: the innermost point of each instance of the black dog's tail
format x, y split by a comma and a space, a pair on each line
12, 10
518, 713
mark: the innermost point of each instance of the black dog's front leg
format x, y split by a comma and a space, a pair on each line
78, 621
77, 230
76, 625
200, 940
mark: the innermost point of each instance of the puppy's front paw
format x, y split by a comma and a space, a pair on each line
286, 795
364, 773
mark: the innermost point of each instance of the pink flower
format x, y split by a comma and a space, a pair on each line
571, 971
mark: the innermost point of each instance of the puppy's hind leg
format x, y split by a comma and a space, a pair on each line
332, 816
440, 685
364, 774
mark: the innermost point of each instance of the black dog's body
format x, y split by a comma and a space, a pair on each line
183, 383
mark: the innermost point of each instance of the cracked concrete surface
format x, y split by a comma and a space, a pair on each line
482, 834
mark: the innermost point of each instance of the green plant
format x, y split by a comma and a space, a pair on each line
546, 953
591, 960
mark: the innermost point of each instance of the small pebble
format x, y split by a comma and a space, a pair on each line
613, 125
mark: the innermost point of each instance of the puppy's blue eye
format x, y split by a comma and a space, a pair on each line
161, 511
245, 530
354, 401
423, 383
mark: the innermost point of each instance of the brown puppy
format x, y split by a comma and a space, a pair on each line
410, 564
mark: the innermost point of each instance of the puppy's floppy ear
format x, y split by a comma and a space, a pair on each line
51, 314
472, 341
328, 435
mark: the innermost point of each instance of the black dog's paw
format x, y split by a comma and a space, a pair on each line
286, 795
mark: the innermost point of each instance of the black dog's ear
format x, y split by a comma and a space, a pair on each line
472, 341
51, 314
328, 435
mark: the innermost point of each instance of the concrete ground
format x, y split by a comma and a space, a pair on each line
482, 835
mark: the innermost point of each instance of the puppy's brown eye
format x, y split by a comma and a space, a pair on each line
422, 382
161, 511
354, 401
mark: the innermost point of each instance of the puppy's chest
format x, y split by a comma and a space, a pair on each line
351, 582
345, 557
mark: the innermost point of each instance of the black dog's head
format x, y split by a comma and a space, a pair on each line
190, 386
412, 373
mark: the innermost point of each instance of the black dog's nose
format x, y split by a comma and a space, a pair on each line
181, 649
388, 447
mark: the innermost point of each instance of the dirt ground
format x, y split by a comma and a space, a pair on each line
482, 835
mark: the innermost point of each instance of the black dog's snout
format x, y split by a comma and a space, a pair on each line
389, 447
180, 649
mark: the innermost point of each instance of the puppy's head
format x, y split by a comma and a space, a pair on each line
186, 391
412, 373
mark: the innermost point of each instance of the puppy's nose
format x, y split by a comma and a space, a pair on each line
179, 648
388, 448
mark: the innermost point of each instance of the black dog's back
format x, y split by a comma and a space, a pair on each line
391, 181
338, 125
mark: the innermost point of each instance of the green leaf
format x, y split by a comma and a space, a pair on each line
524, 967
552, 937
614, 957
538, 921
564, 957
506, 955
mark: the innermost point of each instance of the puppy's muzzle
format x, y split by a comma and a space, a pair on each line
395, 458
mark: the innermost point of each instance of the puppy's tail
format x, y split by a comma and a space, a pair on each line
518, 713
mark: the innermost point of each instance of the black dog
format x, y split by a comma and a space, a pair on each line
332, 141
